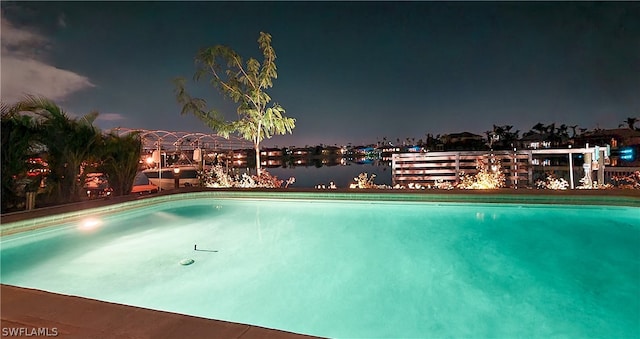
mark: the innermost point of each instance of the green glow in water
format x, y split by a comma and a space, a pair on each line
348, 269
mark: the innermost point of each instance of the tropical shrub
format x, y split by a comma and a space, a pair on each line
363, 180
442, 184
489, 176
217, 177
552, 183
68, 143
631, 181
18, 145
119, 158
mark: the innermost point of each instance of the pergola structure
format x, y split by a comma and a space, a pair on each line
158, 144
184, 141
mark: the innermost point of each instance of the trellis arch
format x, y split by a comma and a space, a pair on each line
184, 141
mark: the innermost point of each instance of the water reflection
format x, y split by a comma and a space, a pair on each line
312, 172
341, 174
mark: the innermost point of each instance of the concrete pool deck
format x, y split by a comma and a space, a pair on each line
76, 317
63, 316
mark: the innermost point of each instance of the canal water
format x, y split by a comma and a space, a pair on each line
311, 176
341, 175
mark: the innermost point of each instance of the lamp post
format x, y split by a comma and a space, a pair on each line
571, 167
157, 158
176, 177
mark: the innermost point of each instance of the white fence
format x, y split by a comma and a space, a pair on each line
427, 168
518, 166
611, 172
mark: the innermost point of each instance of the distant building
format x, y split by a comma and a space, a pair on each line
363, 150
543, 140
300, 152
331, 151
271, 152
535, 141
624, 144
616, 138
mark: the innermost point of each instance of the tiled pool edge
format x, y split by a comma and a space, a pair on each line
565, 199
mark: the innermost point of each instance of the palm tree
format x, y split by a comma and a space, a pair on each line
631, 122
563, 134
18, 145
551, 129
490, 138
538, 128
68, 143
503, 135
563, 130
552, 134
119, 160
573, 130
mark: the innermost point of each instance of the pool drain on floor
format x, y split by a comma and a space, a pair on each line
186, 262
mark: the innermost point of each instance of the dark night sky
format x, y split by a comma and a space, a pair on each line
348, 71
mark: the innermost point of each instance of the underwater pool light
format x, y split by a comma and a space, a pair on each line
89, 224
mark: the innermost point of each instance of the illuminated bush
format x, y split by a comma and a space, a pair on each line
631, 181
585, 183
366, 182
489, 176
443, 185
552, 183
219, 178
266, 180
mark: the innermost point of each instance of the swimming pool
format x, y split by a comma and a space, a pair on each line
349, 268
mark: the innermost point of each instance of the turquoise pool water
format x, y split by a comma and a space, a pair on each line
354, 269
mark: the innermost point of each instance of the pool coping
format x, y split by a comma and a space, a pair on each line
26, 221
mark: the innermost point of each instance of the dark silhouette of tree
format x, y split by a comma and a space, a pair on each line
18, 145
501, 137
68, 143
538, 128
573, 130
118, 160
631, 122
